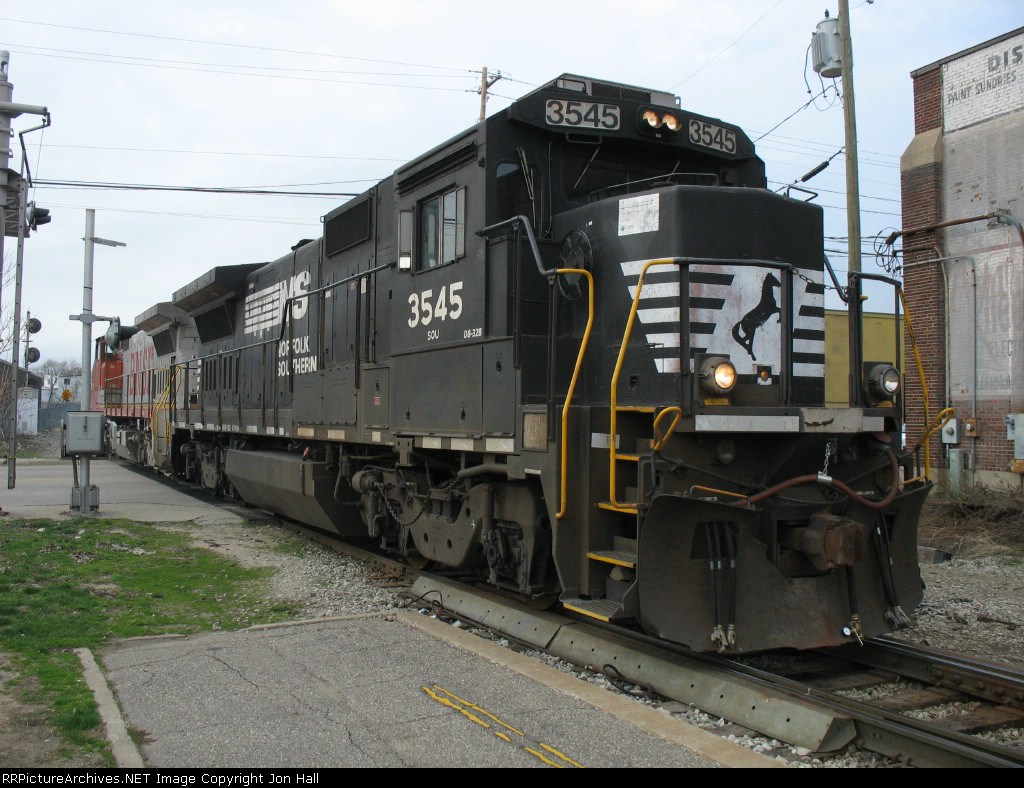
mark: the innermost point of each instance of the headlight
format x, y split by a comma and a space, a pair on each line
652, 118
891, 381
883, 382
717, 375
657, 118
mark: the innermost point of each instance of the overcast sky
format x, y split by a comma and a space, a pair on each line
322, 96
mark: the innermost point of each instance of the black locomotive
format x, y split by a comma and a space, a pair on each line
578, 350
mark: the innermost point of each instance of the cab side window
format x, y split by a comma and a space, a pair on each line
442, 228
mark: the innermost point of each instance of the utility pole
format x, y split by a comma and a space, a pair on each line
12, 420
6, 93
485, 84
850, 123
14, 195
87, 318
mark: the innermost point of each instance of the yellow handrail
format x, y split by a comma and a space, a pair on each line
661, 440
924, 386
941, 420
575, 378
163, 404
614, 399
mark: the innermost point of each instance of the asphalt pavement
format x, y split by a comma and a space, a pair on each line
386, 690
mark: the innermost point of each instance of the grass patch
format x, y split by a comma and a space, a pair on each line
980, 521
32, 453
79, 582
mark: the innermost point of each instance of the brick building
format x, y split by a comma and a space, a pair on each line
963, 252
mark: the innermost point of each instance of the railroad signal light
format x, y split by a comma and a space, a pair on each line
35, 216
32, 326
116, 334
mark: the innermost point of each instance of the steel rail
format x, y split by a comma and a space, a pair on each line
994, 681
905, 739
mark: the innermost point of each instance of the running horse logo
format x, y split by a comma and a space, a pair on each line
743, 332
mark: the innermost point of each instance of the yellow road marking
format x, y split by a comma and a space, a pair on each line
449, 704
463, 706
473, 706
565, 758
540, 756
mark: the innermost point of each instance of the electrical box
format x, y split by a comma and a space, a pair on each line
1018, 436
951, 432
84, 433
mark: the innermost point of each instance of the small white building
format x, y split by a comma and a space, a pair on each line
29, 389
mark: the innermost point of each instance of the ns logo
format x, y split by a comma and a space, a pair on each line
264, 308
295, 287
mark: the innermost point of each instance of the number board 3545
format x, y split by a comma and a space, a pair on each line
710, 135
581, 114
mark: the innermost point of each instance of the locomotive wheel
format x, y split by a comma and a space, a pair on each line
543, 602
419, 562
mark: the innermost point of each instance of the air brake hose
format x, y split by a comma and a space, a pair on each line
843, 488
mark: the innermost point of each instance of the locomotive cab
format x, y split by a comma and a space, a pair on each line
718, 482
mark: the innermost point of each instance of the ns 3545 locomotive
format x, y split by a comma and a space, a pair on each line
577, 350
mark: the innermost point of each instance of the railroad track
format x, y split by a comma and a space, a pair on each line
937, 709
805, 701
821, 701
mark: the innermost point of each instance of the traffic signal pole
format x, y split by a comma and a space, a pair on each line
87, 318
86, 499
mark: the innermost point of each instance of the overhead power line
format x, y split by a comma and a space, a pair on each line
221, 153
151, 187
796, 112
712, 60
822, 147
156, 60
243, 73
836, 191
217, 216
227, 44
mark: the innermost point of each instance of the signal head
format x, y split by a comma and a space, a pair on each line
35, 216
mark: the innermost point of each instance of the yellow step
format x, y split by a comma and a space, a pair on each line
601, 609
616, 557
